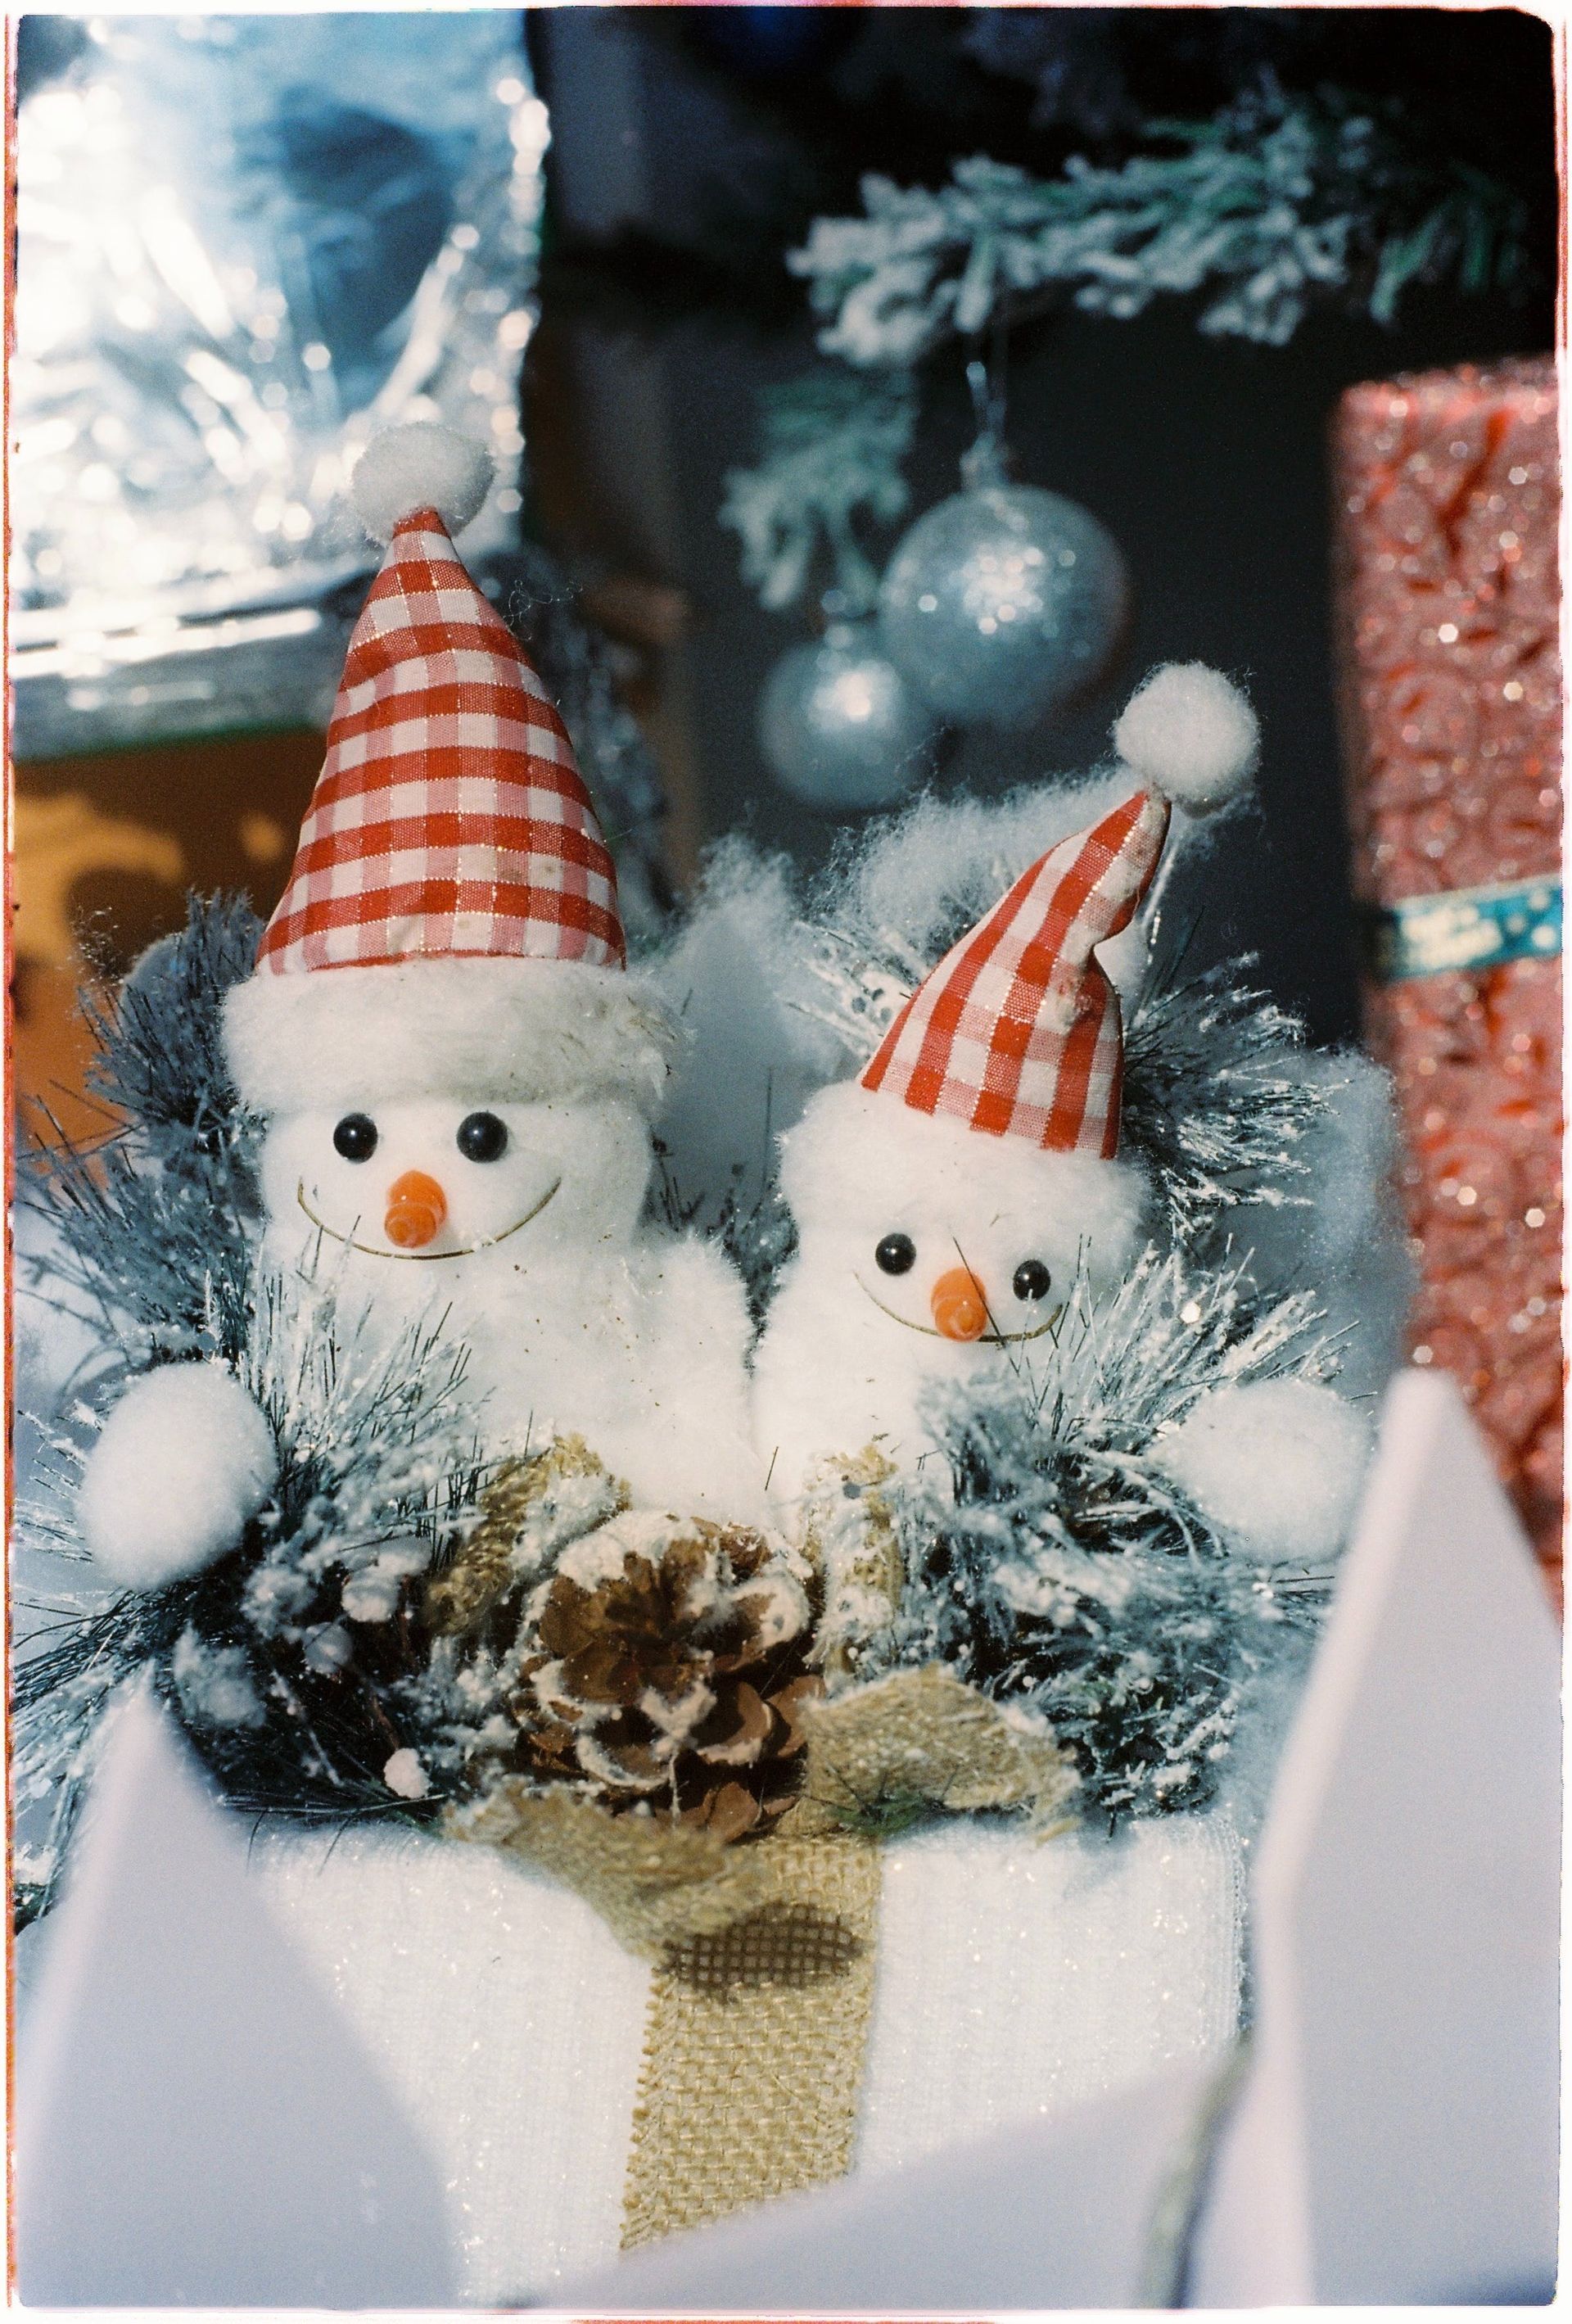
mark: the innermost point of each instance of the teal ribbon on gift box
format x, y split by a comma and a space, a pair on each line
1468, 928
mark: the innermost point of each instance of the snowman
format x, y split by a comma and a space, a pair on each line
948, 1199
457, 1075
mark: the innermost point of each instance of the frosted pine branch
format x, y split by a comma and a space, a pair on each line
1053, 1563
1274, 204
834, 446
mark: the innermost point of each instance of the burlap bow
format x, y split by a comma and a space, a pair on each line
763, 1951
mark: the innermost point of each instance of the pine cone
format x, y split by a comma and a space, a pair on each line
673, 1669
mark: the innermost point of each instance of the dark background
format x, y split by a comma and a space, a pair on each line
691, 150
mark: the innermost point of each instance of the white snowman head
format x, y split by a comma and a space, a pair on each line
965, 1246
451, 1176
947, 1200
441, 1033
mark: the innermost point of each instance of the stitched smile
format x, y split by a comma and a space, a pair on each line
988, 1339
374, 1251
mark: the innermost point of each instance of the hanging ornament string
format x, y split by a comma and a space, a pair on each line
984, 463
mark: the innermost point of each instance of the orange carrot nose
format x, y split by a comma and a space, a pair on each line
417, 1207
960, 1304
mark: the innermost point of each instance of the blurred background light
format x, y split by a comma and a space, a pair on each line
243, 245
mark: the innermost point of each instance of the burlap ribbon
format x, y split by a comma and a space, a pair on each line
530, 1510
765, 1952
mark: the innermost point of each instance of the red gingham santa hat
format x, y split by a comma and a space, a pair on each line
451, 919
1017, 1031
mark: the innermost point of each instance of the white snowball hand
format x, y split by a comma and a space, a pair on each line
1276, 1465
182, 1464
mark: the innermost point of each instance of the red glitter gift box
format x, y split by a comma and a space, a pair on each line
1447, 506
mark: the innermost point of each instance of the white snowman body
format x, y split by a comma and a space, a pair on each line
894, 1209
576, 1313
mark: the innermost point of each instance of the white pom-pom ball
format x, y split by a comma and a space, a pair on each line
405, 1774
1190, 734
1276, 1465
419, 466
180, 1466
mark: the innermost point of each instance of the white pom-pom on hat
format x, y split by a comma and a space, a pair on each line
180, 1466
419, 465
1190, 734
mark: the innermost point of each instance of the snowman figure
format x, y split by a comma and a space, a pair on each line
946, 1200
457, 1074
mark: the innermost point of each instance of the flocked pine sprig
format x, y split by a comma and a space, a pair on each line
1054, 1565
834, 448
1279, 202
279, 1660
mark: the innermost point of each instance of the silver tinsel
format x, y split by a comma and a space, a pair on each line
1217, 1102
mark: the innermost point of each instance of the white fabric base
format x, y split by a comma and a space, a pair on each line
1016, 1979
507, 2018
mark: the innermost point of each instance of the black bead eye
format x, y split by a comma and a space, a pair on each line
1033, 1280
481, 1138
355, 1138
895, 1254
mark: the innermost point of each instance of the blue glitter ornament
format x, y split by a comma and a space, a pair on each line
1005, 602
840, 727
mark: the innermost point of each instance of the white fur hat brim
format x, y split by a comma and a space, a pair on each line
468, 1026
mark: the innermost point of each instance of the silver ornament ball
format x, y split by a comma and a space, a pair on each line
840, 727
1004, 602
